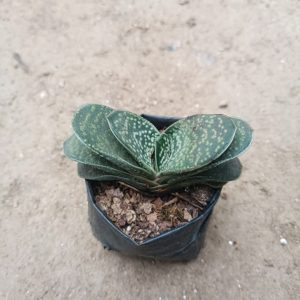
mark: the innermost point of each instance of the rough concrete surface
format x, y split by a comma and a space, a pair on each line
161, 57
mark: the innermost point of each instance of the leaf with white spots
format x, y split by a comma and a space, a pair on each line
218, 176
92, 173
136, 134
77, 151
91, 128
193, 142
241, 142
120, 146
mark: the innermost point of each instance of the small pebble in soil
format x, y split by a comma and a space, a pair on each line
283, 242
223, 104
61, 83
183, 2
232, 243
191, 22
43, 94
224, 196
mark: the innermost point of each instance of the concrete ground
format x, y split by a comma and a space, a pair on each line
173, 57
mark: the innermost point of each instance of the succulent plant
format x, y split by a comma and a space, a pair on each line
116, 145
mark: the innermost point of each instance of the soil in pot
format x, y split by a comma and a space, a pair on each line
142, 216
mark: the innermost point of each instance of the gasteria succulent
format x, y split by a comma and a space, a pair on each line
113, 145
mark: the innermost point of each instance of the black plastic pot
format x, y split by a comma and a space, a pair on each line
180, 244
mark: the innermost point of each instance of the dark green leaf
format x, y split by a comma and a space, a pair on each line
136, 134
92, 173
77, 151
227, 171
240, 143
193, 142
91, 128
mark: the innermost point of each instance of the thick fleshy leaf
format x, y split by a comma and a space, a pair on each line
242, 140
77, 151
120, 146
91, 128
193, 142
227, 171
92, 173
136, 134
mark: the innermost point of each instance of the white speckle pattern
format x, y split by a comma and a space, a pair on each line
194, 142
136, 134
91, 128
283, 242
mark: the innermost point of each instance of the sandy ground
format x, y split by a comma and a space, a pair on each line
161, 57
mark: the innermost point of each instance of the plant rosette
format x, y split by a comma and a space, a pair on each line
155, 156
